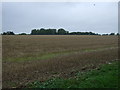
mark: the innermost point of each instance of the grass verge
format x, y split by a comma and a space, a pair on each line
105, 76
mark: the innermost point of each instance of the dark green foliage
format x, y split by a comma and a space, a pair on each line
112, 33
34, 32
104, 34
43, 31
60, 31
8, 33
82, 33
22, 34
117, 34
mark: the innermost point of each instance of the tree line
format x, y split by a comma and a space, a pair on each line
49, 31
8, 33
60, 31
43, 31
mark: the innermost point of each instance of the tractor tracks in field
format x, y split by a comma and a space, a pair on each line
61, 65
96, 50
67, 53
58, 54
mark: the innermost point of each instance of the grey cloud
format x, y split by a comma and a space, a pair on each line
22, 17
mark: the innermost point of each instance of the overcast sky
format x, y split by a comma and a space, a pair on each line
89, 16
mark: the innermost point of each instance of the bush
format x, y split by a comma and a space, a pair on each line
8, 33
22, 34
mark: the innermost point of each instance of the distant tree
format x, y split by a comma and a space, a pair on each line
117, 34
61, 31
105, 34
73, 33
33, 32
11, 33
96, 34
22, 34
82, 33
112, 33
53, 31
42, 31
48, 31
4, 33
8, 33
67, 32
37, 32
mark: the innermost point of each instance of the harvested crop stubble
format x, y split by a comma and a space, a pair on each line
80, 53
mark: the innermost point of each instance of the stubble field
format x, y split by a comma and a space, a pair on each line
27, 58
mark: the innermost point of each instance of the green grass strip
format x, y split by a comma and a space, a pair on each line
52, 55
104, 77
